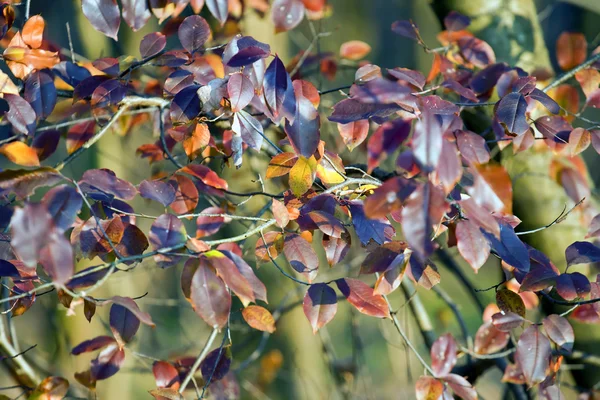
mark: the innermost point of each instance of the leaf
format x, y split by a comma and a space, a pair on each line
259, 318
209, 295
280, 213
20, 154
152, 44
240, 90
167, 231
41, 93
327, 223
424, 208
472, 147
30, 228
33, 31
94, 344
572, 286
472, 244
185, 105
304, 132
24, 182
231, 275
123, 323
559, 331
386, 140
45, 143
511, 113
428, 388
455, 21
361, 296
272, 244
136, 14
219, 9
461, 387
193, 33
582, 253
354, 50
319, 305
278, 90
78, 134
109, 93
287, 14
302, 175
245, 51
166, 394
158, 191
427, 141
281, 164
108, 362
216, 364
209, 225
354, 133
571, 50
105, 181
506, 321
533, 355
490, 339
20, 114
206, 175
443, 355
165, 375
407, 29
93, 236
258, 288
104, 16
476, 51
186, 194
510, 248
301, 255
350, 110
248, 128
57, 258
367, 229
509, 301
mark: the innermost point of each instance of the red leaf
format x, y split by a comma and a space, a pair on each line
280, 213
490, 339
207, 225
461, 387
506, 321
57, 258
559, 331
533, 355
301, 255
571, 50
472, 245
186, 194
354, 133
30, 228
106, 181
361, 296
33, 31
166, 375
472, 147
319, 305
235, 280
443, 355
354, 50
209, 295
206, 175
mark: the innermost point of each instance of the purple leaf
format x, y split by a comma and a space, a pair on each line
216, 364
545, 100
20, 114
108, 362
279, 91
185, 105
40, 92
158, 191
109, 93
86, 87
510, 248
136, 14
123, 323
30, 228
511, 112
455, 21
97, 343
71, 73
572, 286
415, 78
378, 230
208, 294
104, 15
350, 110
240, 90
219, 9
152, 44
63, 203
582, 253
301, 255
407, 29
249, 128
533, 355
304, 133
57, 258
193, 33
427, 140
105, 181
247, 51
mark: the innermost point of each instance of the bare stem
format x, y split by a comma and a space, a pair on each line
203, 353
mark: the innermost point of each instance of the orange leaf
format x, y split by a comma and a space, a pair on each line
21, 154
571, 50
281, 165
33, 30
197, 140
259, 318
354, 50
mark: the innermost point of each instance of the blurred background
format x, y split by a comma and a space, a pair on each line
354, 357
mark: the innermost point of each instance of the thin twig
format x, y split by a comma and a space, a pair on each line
569, 74
561, 217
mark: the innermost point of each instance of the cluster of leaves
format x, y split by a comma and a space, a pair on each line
237, 100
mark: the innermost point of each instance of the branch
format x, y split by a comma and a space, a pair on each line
419, 312
568, 303
569, 74
561, 217
203, 353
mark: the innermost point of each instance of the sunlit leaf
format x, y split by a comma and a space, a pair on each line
361, 296
559, 331
259, 318
533, 355
104, 15
571, 50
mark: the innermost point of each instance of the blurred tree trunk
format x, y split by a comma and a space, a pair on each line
512, 28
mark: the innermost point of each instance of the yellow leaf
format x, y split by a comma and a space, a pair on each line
302, 175
21, 154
